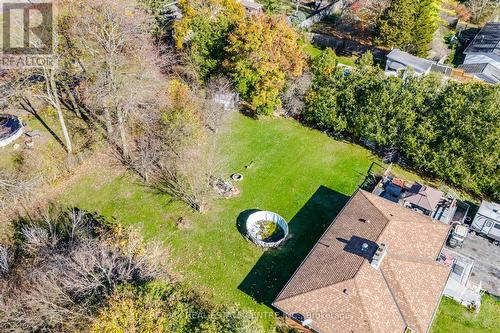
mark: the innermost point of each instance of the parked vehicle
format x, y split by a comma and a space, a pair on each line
487, 221
458, 235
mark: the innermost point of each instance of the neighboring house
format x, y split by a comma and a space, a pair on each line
251, 6
398, 60
487, 220
484, 49
484, 72
423, 198
373, 270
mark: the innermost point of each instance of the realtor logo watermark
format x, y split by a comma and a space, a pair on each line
28, 34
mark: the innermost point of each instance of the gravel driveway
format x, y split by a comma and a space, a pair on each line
487, 262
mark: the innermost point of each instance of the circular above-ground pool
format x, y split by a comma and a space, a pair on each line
11, 128
266, 229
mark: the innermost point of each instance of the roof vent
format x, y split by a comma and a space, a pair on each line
346, 291
307, 323
379, 255
364, 247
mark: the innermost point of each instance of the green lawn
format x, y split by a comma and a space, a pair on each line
455, 318
300, 173
314, 51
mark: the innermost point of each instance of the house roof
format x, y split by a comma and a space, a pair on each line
484, 71
490, 210
340, 291
423, 196
486, 41
251, 5
440, 68
420, 65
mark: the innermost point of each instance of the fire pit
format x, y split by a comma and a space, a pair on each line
237, 177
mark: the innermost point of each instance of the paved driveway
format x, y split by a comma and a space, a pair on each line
486, 262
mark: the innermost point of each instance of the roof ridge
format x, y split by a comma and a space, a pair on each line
314, 247
313, 290
427, 217
402, 295
389, 220
375, 205
393, 297
421, 260
363, 310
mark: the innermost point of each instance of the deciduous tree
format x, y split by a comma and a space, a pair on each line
481, 10
204, 29
408, 25
117, 59
446, 130
70, 263
262, 54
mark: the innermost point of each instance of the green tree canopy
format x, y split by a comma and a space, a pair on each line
447, 130
204, 30
408, 25
263, 52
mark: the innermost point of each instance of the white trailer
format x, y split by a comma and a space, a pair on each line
487, 220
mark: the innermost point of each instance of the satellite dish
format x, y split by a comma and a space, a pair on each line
307, 322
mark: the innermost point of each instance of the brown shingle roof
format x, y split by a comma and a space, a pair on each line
340, 291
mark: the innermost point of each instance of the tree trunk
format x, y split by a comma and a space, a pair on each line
56, 103
26, 105
123, 133
108, 122
74, 104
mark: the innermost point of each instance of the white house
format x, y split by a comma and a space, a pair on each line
398, 60
482, 56
251, 6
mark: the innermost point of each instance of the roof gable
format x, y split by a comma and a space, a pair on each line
386, 296
333, 258
416, 286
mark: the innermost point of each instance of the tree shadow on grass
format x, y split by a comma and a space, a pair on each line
275, 267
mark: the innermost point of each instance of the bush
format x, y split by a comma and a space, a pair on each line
162, 307
446, 130
61, 267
